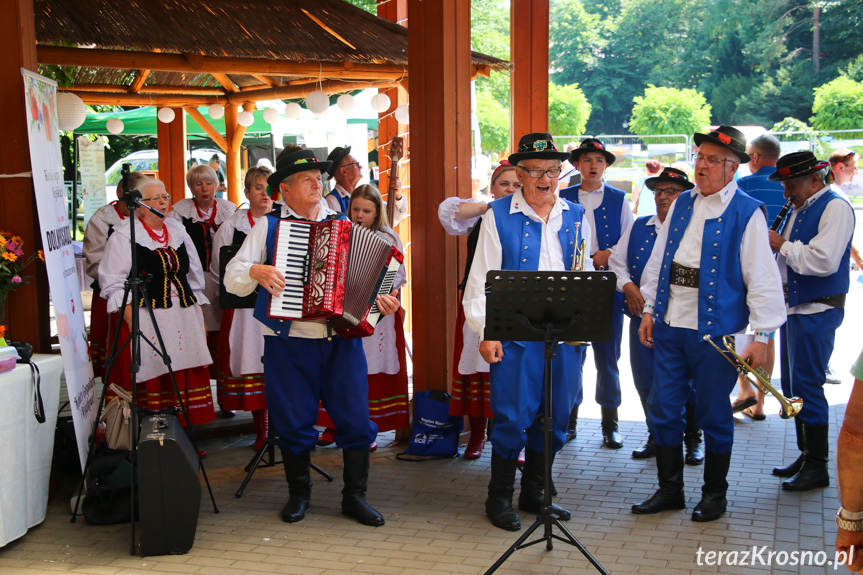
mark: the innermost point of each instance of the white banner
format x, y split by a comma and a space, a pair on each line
45, 159
91, 163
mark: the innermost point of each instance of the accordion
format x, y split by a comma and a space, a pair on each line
333, 270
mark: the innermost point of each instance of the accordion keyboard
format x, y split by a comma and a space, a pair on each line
293, 250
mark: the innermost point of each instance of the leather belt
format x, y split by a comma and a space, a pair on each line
684, 276
837, 301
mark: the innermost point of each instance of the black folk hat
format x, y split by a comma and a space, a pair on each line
727, 137
537, 146
298, 161
592, 145
336, 157
670, 175
795, 165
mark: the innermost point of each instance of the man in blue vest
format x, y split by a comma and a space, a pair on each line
609, 215
710, 274
533, 229
814, 251
764, 151
305, 361
627, 262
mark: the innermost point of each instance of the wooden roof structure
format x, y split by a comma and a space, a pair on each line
169, 53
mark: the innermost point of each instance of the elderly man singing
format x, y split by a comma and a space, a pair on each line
533, 229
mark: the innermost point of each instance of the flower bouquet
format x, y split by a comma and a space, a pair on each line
12, 265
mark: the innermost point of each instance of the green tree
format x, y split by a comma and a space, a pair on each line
838, 105
669, 111
568, 110
493, 120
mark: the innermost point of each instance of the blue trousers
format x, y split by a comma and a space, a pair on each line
605, 356
685, 362
299, 372
641, 361
806, 345
517, 395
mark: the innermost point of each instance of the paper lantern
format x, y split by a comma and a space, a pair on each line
402, 114
216, 111
271, 115
245, 119
345, 103
292, 110
166, 115
380, 103
115, 126
317, 102
71, 111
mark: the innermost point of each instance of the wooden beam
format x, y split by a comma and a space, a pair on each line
195, 90
126, 60
172, 155
529, 55
166, 100
291, 92
269, 81
232, 154
226, 82
138, 82
208, 128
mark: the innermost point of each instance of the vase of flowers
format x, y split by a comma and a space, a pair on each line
12, 265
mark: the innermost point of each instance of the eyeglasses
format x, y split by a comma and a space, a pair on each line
552, 173
159, 197
666, 192
351, 164
711, 160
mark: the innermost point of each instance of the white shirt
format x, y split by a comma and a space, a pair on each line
401, 204
254, 251
822, 256
764, 296
591, 201
96, 236
488, 254
618, 262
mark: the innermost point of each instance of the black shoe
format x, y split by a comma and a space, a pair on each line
532, 496
498, 505
297, 472
647, 450
692, 439
813, 473
572, 427
669, 469
791, 469
356, 476
710, 508
611, 437
713, 502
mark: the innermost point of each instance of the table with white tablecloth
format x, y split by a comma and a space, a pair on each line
26, 446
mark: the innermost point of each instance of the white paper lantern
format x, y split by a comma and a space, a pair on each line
216, 111
292, 110
166, 115
380, 103
345, 103
271, 115
245, 118
317, 102
71, 111
115, 126
402, 114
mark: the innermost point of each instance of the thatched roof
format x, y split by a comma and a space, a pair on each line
222, 46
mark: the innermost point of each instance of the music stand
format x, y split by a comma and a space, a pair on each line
551, 307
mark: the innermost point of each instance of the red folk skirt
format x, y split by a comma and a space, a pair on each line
235, 392
470, 391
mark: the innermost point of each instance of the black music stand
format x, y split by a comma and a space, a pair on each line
551, 307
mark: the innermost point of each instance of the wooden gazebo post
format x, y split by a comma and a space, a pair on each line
172, 154
529, 57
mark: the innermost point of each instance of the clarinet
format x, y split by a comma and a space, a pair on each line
781, 216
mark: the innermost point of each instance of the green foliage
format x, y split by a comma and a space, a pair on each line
568, 110
804, 133
367, 5
493, 123
838, 105
669, 111
791, 125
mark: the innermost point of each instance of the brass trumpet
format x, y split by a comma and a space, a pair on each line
790, 406
578, 265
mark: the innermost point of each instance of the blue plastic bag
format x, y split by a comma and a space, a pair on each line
435, 432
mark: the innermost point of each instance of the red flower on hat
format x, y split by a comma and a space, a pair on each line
598, 145
784, 172
724, 138
672, 175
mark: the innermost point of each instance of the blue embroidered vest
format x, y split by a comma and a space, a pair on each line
801, 288
641, 240
521, 237
722, 305
343, 201
606, 217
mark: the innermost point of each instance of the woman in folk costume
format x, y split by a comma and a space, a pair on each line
174, 279
201, 215
99, 228
385, 348
470, 390
240, 371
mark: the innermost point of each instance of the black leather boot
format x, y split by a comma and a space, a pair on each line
498, 505
297, 472
813, 473
713, 503
610, 435
669, 469
647, 450
792, 469
356, 476
532, 496
692, 439
571, 428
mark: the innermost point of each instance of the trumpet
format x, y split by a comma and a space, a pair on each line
578, 265
790, 406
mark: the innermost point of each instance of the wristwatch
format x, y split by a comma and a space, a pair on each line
853, 522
